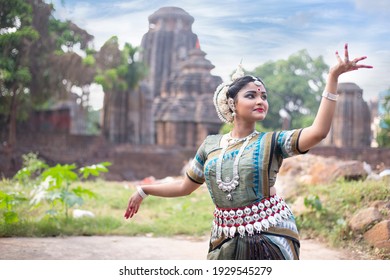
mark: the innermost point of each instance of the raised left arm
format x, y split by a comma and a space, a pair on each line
312, 135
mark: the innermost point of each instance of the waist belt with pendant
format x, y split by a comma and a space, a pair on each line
250, 219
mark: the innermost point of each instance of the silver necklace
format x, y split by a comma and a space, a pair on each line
230, 184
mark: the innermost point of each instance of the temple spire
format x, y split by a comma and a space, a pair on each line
197, 46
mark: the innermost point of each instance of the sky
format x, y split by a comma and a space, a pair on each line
256, 31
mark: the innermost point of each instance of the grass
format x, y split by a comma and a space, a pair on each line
192, 215
340, 200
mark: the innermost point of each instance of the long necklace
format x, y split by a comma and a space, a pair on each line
230, 184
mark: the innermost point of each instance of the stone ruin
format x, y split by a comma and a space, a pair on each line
179, 82
351, 126
184, 113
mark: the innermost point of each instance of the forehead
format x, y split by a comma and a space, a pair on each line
255, 86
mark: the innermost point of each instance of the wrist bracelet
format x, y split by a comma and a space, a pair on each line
141, 192
330, 96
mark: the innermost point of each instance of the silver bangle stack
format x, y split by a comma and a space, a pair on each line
330, 96
141, 192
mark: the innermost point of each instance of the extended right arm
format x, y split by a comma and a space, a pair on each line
172, 189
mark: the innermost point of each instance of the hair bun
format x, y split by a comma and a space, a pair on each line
239, 73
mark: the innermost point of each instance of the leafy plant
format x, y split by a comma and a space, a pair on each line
57, 186
31, 169
7, 202
313, 202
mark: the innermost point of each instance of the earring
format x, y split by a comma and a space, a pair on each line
231, 104
233, 114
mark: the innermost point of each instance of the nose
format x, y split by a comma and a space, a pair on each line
259, 99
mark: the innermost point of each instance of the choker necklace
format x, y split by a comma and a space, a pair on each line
230, 184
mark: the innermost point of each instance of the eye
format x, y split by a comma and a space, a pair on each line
250, 96
264, 96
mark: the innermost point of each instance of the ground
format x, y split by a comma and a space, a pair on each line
134, 248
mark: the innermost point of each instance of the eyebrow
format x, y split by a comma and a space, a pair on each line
255, 91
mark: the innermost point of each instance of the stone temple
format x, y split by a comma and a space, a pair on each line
178, 108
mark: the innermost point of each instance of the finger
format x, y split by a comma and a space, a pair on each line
364, 66
129, 212
346, 54
356, 60
359, 59
338, 57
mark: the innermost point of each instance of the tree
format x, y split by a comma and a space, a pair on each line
107, 60
119, 73
16, 37
294, 89
44, 58
60, 74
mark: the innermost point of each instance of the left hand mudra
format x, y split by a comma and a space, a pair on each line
346, 65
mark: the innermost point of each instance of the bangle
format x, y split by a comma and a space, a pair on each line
330, 96
141, 192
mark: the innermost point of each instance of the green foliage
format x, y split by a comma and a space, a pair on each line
89, 60
383, 137
8, 201
330, 206
16, 36
124, 76
12, 11
15, 21
94, 170
31, 169
157, 216
57, 187
293, 85
63, 34
314, 203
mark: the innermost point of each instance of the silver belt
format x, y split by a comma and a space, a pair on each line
257, 217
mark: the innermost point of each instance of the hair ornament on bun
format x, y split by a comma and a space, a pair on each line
221, 99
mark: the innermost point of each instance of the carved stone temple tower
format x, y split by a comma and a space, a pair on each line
179, 82
184, 113
352, 120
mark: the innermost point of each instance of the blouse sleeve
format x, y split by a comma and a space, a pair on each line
287, 143
195, 171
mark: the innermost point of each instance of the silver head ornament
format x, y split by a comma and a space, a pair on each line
220, 99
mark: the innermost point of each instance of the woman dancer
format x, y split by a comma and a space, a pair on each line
250, 220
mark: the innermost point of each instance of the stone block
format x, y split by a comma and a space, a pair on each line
364, 219
379, 235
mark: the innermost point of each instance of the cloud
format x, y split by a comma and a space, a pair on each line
374, 6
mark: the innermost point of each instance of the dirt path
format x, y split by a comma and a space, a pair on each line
132, 248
